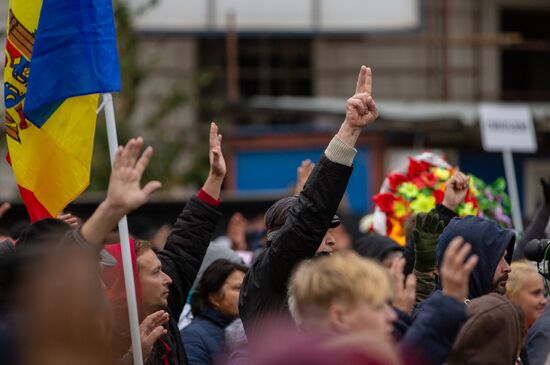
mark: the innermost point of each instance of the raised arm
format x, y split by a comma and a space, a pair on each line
308, 220
190, 236
124, 193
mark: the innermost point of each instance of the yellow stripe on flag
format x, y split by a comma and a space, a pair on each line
54, 161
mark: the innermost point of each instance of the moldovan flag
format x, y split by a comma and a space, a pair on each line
60, 54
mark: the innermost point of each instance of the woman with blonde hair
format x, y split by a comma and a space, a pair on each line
344, 294
525, 288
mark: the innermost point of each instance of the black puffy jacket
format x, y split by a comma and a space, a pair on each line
181, 258
264, 291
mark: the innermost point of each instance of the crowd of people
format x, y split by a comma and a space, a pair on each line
289, 288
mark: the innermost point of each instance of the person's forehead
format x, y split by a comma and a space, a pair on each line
532, 280
148, 259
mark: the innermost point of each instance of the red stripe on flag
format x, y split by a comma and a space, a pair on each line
35, 209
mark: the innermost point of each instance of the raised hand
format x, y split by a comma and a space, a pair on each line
456, 269
217, 162
456, 189
150, 330
70, 219
236, 231
360, 109
218, 169
4, 207
303, 172
404, 290
125, 192
426, 232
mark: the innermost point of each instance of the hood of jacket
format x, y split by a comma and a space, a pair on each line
375, 246
492, 334
488, 241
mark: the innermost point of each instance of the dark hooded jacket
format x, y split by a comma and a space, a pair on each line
492, 335
488, 241
264, 290
375, 246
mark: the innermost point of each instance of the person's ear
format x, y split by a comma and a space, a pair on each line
214, 299
338, 318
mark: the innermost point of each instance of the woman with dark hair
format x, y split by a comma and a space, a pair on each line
219, 290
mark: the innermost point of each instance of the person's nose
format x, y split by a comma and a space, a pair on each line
331, 241
167, 279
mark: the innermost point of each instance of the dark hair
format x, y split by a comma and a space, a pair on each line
42, 232
214, 277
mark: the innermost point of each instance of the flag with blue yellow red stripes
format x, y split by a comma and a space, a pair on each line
60, 54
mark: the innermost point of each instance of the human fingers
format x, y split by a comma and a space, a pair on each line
451, 252
213, 134
361, 80
151, 187
371, 105
470, 264
133, 152
143, 161
410, 283
153, 336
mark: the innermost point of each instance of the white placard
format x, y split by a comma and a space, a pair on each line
507, 128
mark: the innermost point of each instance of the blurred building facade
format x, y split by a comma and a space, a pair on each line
446, 55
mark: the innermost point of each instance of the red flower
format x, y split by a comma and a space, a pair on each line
389, 226
384, 201
438, 195
395, 179
416, 167
419, 182
470, 198
429, 179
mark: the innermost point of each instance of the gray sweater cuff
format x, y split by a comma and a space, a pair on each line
339, 152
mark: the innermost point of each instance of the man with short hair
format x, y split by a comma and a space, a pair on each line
166, 277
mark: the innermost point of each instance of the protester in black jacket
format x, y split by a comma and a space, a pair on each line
303, 234
166, 277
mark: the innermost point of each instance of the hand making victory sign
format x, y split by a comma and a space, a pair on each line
360, 108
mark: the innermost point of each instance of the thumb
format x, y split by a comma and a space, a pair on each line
151, 187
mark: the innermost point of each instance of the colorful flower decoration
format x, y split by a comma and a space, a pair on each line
419, 186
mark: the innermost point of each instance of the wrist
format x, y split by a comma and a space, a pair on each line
456, 296
213, 185
110, 211
349, 133
449, 205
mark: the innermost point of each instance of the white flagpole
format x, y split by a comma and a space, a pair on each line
124, 239
511, 183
